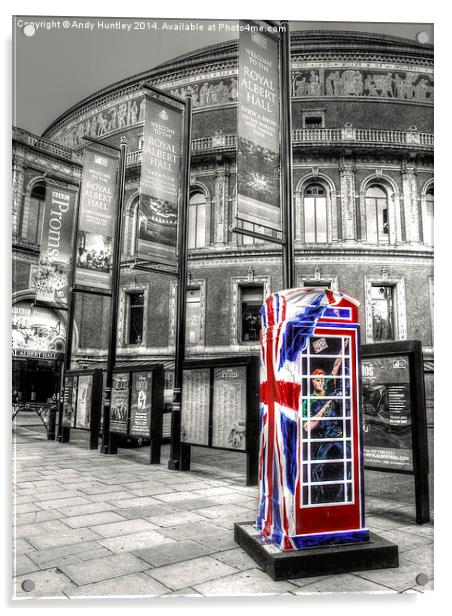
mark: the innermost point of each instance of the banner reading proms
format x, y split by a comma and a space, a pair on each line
96, 220
258, 156
52, 277
160, 183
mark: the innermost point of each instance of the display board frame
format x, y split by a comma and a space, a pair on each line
94, 406
251, 364
412, 351
156, 410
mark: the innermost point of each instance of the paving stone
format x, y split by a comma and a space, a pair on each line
424, 530
183, 592
135, 585
135, 541
144, 512
150, 490
93, 519
237, 558
25, 507
41, 528
400, 578
405, 541
111, 497
175, 518
56, 494
37, 516
177, 497
83, 551
215, 491
300, 582
195, 571
195, 530
422, 556
77, 535
63, 502
195, 503
22, 564
124, 527
80, 510
379, 522
339, 584
219, 541
100, 488
251, 582
21, 545
220, 512
134, 501
48, 583
173, 552
100, 569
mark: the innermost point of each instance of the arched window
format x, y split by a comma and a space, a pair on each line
33, 212
197, 221
315, 214
427, 216
377, 219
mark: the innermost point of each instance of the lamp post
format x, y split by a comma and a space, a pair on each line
108, 445
180, 454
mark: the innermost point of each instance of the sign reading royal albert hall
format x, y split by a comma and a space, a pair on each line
160, 183
96, 220
52, 276
258, 158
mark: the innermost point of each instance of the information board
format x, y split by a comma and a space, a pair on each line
141, 404
119, 403
387, 429
82, 416
195, 406
229, 408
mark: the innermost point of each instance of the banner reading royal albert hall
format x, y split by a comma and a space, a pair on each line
258, 157
97, 219
160, 183
52, 277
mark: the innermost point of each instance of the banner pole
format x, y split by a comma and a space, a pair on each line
179, 454
107, 446
286, 160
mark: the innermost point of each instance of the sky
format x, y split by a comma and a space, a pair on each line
67, 59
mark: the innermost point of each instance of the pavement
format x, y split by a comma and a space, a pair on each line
90, 525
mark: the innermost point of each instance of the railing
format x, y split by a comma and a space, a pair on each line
23, 136
349, 134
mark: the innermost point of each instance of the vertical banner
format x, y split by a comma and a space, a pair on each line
160, 183
96, 219
258, 156
53, 275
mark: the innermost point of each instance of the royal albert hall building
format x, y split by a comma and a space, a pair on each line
362, 110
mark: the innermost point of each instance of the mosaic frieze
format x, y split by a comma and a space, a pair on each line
352, 82
119, 116
209, 93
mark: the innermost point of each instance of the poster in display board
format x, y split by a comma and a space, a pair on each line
387, 421
229, 408
69, 401
141, 404
83, 414
195, 406
119, 403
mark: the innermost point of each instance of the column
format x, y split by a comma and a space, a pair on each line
411, 203
17, 194
348, 206
221, 206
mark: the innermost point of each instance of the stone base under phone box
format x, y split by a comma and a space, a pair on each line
377, 553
